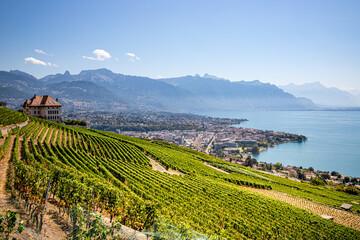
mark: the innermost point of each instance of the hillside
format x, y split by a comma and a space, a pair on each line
115, 175
183, 94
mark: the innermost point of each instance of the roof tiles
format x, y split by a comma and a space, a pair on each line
42, 101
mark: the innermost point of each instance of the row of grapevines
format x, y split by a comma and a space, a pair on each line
8, 117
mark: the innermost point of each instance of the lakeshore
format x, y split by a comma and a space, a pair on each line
332, 145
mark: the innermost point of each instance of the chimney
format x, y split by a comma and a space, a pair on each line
57, 99
34, 95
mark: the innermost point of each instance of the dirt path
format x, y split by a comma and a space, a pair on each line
56, 132
343, 217
32, 132
61, 132
69, 139
21, 147
157, 167
4, 166
38, 134
220, 170
50, 135
4, 199
66, 138
51, 230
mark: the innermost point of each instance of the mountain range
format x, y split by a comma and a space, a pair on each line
102, 89
323, 96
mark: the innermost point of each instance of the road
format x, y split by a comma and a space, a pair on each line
210, 144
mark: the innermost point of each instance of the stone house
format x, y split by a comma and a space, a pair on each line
43, 107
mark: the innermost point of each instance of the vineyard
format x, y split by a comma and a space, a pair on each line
113, 174
8, 117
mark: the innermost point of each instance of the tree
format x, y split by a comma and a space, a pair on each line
311, 169
354, 180
249, 162
317, 181
300, 175
351, 190
269, 166
325, 176
346, 179
278, 166
2, 104
333, 173
255, 149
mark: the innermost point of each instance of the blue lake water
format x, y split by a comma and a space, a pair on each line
333, 138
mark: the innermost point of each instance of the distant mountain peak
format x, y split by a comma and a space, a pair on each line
103, 88
103, 71
315, 84
21, 73
320, 94
206, 75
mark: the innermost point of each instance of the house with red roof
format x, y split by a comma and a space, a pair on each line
43, 107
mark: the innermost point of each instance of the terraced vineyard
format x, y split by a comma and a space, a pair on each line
8, 117
113, 173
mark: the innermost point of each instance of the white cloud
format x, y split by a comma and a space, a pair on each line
39, 62
130, 54
42, 52
52, 64
100, 54
133, 57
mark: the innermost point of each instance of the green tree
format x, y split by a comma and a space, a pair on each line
317, 181
249, 162
255, 149
354, 180
278, 166
351, 190
324, 176
300, 175
311, 169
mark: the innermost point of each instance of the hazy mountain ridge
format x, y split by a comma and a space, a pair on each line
140, 91
227, 95
319, 94
102, 88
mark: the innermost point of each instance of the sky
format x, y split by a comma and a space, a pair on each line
276, 41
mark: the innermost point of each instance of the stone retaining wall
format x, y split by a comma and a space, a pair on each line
6, 129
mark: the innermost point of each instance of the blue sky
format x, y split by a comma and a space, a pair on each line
272, 41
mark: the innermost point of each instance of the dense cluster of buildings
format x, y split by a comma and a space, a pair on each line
222, 141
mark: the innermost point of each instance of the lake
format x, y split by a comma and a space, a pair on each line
333, 138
